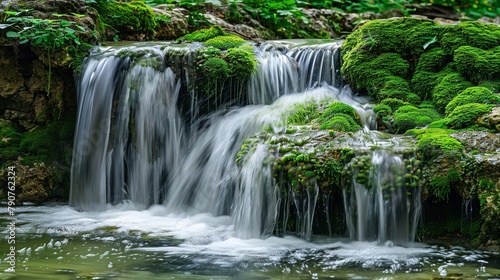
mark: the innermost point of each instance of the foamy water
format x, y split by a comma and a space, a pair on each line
123, 242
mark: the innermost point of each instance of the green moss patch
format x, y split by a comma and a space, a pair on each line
341, 122
10, 139
450, 86
470, 33
303, 113
339, 117
223, 68
127, 17
408, 117
480, 95
203, 35
478, 65
225, 42
241, 62
465, 115
433, 142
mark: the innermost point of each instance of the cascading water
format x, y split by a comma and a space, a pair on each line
136, 142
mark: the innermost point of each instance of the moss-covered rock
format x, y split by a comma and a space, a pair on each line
203, 35
241, 62
478, 65
405, 36
490, 120
480, 95
449, 87
408, 117
341, 122
466, 115
489, 198
130, 19
339, 117
225, 42
303, 113
337, 108
469, 33
433, 142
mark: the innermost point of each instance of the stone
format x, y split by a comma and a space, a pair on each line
491, 120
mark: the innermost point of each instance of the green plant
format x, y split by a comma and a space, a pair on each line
49, 34
277, 15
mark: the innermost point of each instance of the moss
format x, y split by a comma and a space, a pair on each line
470, 33
476, 64
241, 62
440, 186
225, 42
397, 87
489, 199
492, 86
423, 82
341, 122
447, 89
338, 108
381, 72
442, 123
203, 35
433, 60
382, 110
408, 117
303, 113
433, 142
215, 72
465, 115
405, 36
392, 63
10, 138
215, 69
394, 103
127, 17
473, 95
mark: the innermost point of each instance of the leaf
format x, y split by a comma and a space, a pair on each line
431, 41
13, 34
77, 41
78, 15
65, 23
4, 25
284, 12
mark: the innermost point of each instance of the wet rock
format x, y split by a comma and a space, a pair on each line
33, 183
481, 141
491, 120
174, 25
11, 79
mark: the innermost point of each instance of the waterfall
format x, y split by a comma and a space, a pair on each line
382, 198
141, 137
